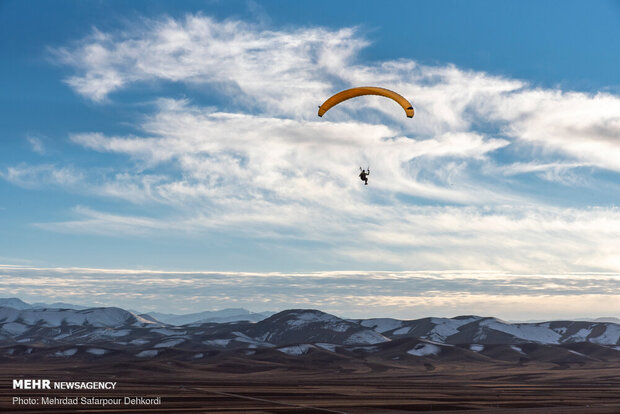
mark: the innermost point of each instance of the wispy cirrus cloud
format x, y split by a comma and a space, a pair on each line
449, 189
36, 143
557, 172
280, 70
583, 127
42, 175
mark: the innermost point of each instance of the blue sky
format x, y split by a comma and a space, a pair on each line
184, 137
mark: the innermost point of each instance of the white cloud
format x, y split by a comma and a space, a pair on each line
553, 124
288, 72
557, 172
350, 294
95, 222
39, 176
36, 143
281, 71
263, 165
286, 158
581, 126
522, 239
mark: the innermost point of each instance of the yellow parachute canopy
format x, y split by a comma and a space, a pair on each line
366, 90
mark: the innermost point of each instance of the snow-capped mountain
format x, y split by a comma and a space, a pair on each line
293, 327
487, 331
52, 325
98, 332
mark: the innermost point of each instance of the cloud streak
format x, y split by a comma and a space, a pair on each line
352, 294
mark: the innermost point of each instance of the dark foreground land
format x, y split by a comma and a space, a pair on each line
244, 386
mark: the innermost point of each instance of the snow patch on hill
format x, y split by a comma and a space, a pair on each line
296, 350
116, 333
445, 327
66, 353
217, 342
530, 333
331, 322
15, 328
97, 351
423, 349
366, 337
611, 336
167, 332
382, 325
579, 336
402, 331
305, 318
149, 353
170, 343
326, 346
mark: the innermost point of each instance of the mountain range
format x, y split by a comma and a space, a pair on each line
223, 315
35, 332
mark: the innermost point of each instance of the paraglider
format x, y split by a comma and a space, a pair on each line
366, 90
361, 91
364, 175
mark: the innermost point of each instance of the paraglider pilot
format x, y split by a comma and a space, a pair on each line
364, 175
